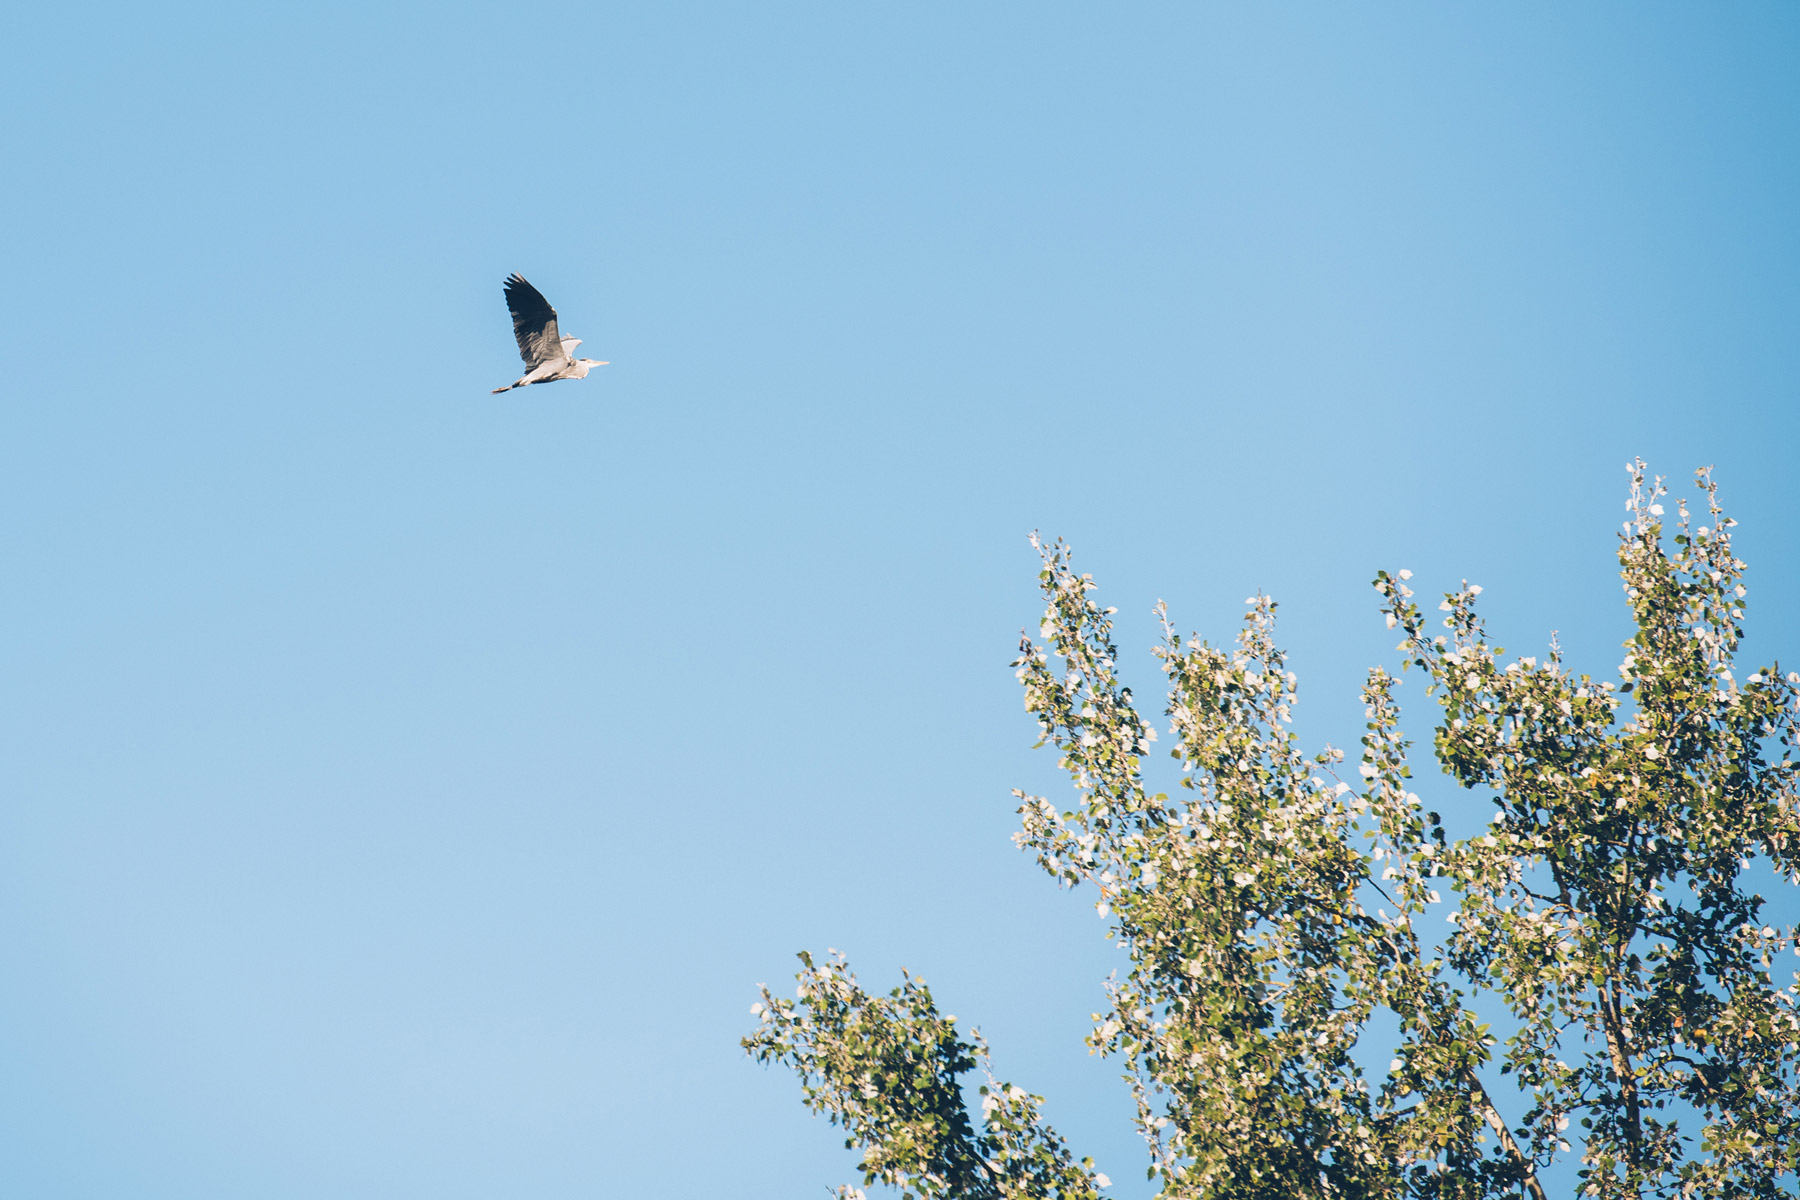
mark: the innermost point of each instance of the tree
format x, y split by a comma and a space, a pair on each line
1272, 909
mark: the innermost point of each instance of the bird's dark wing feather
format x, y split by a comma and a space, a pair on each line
534, 323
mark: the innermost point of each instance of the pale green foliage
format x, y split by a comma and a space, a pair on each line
888, 1069
1605, 903
1255, 965
1270, 913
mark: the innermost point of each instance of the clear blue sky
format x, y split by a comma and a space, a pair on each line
404, 788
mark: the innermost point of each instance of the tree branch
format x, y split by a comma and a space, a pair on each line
1527, 1173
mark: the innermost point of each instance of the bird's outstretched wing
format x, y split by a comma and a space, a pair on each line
534, 324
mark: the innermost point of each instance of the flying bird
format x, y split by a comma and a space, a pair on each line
548, 355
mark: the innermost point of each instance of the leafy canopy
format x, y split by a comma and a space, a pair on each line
1271, 911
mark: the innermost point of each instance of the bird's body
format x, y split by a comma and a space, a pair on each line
548, 355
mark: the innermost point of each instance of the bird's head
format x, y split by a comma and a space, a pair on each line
591, 362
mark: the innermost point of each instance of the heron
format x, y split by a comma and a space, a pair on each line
548, 355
